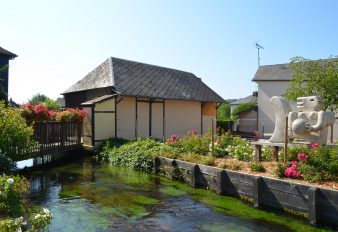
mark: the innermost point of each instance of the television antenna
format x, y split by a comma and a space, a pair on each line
259, 47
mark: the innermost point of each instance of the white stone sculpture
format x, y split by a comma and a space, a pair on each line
310, 123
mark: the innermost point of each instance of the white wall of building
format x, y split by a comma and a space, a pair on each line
182, 116
126, 114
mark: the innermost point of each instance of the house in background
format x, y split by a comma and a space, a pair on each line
129, 99
273, 80
5, 56
247, 120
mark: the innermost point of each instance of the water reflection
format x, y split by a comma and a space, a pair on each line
86, 196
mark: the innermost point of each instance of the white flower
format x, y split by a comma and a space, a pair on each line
46, 211
10, 181
37, 216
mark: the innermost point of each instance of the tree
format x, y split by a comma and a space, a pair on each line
319, 78
37, 99
15, 136
223, 111
41, 98
3, 94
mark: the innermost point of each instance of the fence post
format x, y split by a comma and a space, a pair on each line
313, 205
157, 164
212, 137
220, 182
62, 135
257, 185
194, 175
79, 133
286, 140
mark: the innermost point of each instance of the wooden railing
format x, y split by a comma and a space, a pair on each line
54, 137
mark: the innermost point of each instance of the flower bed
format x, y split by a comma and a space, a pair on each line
40, 113
316, 164
16, 214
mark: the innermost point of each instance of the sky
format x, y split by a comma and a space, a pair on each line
59, 42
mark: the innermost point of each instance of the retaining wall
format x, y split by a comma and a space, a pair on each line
321, 205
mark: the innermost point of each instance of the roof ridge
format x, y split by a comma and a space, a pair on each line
158, 66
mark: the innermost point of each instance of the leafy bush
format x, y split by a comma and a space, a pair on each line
200, 159
241, 149
71, 115
257, 167
134, 155
310, 173
223, 165
295, 150
13, 209
221, 144
15, 136
241, 108
194, 143
279, 170
267, 153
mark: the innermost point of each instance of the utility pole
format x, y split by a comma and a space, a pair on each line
259, 47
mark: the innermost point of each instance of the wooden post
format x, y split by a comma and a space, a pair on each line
62, 135
331, 139
257, 180
258, 152
220, 182
79, 133
212, 137
275, 150
286, 140
157, 164
313, 205
194, 172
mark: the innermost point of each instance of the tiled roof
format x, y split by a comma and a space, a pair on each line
7, 53
132, 78
277, 72
248, 99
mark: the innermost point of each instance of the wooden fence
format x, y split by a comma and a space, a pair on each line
54, 137
321, 205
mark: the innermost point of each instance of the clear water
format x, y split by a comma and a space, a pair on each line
86, 196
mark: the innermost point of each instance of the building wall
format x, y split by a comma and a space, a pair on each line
209, 112
182, 116
247, 121
157, 120
104, 120
75, 100
142, 119
126, 117
266, 115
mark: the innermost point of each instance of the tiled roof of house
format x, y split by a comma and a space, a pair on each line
248, 99
132, 78
7, 53
277, 72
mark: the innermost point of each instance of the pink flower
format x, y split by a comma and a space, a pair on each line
173, 138
302, 157
194, 132
292, 171
314, 145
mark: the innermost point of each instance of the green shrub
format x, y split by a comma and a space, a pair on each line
241, 149
221, 144
267, 153
165, 150
257, 167
199, 159
279, 170
15, 135
194, 143
223, 165
241, 108
310, 173
295, 150
236, 167
134, 155
110, 143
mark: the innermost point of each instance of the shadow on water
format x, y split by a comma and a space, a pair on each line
85, 195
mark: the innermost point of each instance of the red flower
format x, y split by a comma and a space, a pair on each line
194, 132
314, 145
302, 157
292, 171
